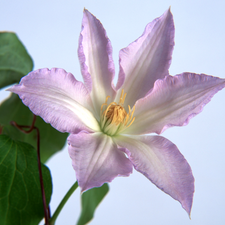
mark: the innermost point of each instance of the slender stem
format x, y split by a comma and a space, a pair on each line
46, 208
62, 203
31, 128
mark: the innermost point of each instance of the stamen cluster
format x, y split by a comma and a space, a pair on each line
114, 118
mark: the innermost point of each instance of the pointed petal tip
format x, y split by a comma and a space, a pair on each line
88, 15
188, 210
188, 203
189, 215
15, 88
168, 12
85, 10
10, 89
167, 15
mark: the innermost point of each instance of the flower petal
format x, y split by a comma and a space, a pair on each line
95, 55
173, 102
162, 163
58, 98
147, 59
96, 159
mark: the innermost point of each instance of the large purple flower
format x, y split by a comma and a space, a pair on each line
108, 124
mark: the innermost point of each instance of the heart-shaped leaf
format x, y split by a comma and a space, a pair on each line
20, 192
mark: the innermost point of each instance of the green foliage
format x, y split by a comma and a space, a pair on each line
20, 192
90, 200
15, 62
14, 110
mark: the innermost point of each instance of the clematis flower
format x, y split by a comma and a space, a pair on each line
108, 124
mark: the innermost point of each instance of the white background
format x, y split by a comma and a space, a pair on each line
50, 31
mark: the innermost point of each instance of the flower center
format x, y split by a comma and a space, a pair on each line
114, 118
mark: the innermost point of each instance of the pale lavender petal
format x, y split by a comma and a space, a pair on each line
173, 102
96, 159
147, 59
58, 98
162, 163
95, 55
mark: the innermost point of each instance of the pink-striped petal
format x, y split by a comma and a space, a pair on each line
58, 98
162, 163
95, 55
173, 102
147, 59
96, 159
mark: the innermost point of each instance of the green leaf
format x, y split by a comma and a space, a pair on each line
15, 62
20, 192
89, 201
12, 109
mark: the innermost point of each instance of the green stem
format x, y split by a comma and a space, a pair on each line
62, 203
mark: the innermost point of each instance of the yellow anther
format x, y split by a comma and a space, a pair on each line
104, 103
132, 113
122, 97
131, 122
